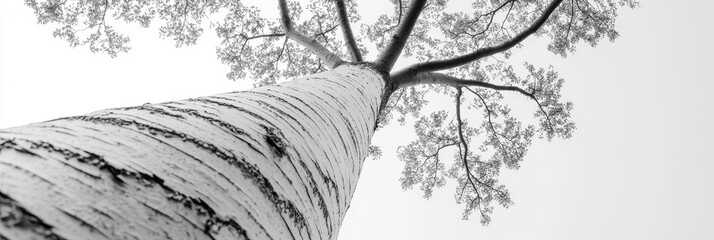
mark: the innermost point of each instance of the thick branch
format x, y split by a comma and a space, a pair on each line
330, 59
443, 79
465, 145
262, 36
347, 31
469, 175
483, 52
389, 55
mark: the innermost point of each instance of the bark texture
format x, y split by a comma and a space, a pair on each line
277, 162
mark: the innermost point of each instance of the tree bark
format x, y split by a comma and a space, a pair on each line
277, 162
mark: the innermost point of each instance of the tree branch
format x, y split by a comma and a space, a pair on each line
435, 155
389, 55
399, 19
570, 24
469, 176
330, 59
246, 39
280, 55
493, 14
483, 52
490, 124
388, 110
324, 33
347, 31
443, 79
262, 36
463, 142
505, 19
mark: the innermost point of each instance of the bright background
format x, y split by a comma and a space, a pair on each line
639, 166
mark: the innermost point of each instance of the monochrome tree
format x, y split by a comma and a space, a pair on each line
282, 161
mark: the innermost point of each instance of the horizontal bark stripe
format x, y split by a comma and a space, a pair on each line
125, 178
12, 214
277, 162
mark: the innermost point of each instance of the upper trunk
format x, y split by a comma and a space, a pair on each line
276, 162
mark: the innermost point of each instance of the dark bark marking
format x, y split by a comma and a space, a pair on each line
304, 184
144, 179
95, 138
80, 170
359, 89
256, 115
389, 87
351, 130
101, 213
328, 121
231, 128
83, 223
281, 114
343, 107
157, 211
80, 182
151, 109
220, 173
278, 147
91, 159
50, 126
287, 226
309, 106
213, 223
282, 100
249, 171
344, 119
301, 101
275, 142
283, 205
320, 198
279, 111
237, 132
10, 144
273, 139
13, 215
326, 178
227, 105
27, 172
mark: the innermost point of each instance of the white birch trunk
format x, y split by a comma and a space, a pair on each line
277, 162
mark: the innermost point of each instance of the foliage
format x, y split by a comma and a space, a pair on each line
463, 49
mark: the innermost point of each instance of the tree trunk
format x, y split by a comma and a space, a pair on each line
277, 162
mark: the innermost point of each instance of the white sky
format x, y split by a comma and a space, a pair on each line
638, 167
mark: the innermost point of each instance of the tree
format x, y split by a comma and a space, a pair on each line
282, 161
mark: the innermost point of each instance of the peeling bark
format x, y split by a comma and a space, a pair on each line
277, 162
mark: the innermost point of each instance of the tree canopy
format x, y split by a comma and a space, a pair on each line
462, 50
